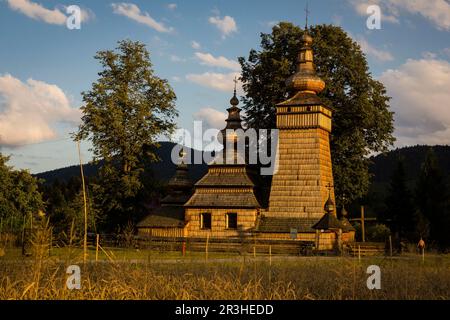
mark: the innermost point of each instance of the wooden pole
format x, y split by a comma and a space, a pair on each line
270, 254
254, 252
363, 231
423, 255
206, 247
85, 206
96, 247
359, 254
51, 243
390, 245
23, 227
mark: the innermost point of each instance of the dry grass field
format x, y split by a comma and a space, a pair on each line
151, 275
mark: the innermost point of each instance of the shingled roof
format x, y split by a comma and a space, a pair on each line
347, 226
219, 176
224, 199
164, 217
171, 212
327, 222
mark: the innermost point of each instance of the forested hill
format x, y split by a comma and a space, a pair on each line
382, 167
384, 164
163, 170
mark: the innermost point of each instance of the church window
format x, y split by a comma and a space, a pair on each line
205, 220
231, 220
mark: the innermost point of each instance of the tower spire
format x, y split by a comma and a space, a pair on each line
305, 78
307, 12
234, 117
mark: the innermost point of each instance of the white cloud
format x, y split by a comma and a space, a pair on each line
386, 10
29, 110
38, 12
226, 25
133, 12
212, 117
87, 15
175, 58
176, 78
446, 52
379, 54
172, 6
217, 81
420, 100
195, 45
429, 55
222, 62
437, 11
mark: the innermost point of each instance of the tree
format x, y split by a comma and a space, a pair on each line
65, 206
433, 200
124, 113
19, 195
399, 203
362, 122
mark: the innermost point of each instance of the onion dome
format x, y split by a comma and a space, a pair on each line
344, 213
329, 205
305, 79
180, 181
233, 120
234, 116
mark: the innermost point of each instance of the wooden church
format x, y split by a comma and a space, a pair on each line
228, 201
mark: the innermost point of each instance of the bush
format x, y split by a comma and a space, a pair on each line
378, 233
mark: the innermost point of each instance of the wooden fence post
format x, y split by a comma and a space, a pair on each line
96, 247
206, 247
270, 255
363, 231
390, 245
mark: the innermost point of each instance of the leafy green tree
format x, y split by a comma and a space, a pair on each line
399, 204
433, 200
362, 122
65, 206
19, 195
124, 113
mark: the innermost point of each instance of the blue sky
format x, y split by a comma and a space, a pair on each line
44, 66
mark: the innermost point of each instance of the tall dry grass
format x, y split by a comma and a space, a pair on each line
301, 278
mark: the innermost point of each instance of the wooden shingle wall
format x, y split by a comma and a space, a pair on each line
299, 186
245, 220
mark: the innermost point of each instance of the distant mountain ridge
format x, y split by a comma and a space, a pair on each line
381, 168
384, 164
163, 170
